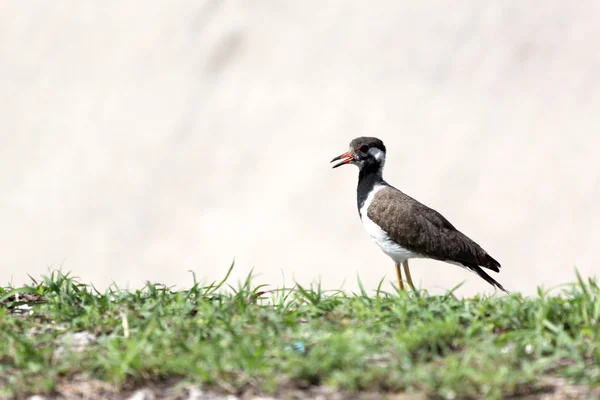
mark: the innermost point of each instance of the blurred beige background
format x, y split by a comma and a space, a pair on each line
147, 138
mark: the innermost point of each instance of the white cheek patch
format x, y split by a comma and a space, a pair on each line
378, 154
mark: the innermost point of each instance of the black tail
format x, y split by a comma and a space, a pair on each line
491, 263
486, 277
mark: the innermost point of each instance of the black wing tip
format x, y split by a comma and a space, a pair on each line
499, 286
486, 277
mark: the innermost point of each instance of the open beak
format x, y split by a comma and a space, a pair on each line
345, 158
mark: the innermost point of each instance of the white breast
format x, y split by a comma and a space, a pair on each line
379, 236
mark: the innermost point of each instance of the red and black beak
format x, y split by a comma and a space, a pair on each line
345, 158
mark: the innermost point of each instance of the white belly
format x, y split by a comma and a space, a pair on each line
379, 236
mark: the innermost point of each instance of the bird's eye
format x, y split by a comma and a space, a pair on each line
364, 148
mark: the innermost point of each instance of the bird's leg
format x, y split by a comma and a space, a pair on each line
408, 277
399, 276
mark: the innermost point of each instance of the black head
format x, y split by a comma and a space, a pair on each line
364, 151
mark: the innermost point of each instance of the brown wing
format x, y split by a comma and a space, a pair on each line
423, 230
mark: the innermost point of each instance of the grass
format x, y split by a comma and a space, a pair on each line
250, 340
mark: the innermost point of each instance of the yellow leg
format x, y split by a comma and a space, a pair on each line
408, 277
399, 276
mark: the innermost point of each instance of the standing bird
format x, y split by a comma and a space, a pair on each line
404, 228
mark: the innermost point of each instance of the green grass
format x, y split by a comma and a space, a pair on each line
247, 339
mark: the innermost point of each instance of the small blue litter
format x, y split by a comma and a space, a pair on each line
298, 346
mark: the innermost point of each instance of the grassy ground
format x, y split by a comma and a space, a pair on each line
61, 337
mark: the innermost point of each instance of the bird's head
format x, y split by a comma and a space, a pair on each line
364, 151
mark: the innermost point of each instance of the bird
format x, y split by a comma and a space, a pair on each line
403, 227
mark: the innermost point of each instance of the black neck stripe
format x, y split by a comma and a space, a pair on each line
369, 176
